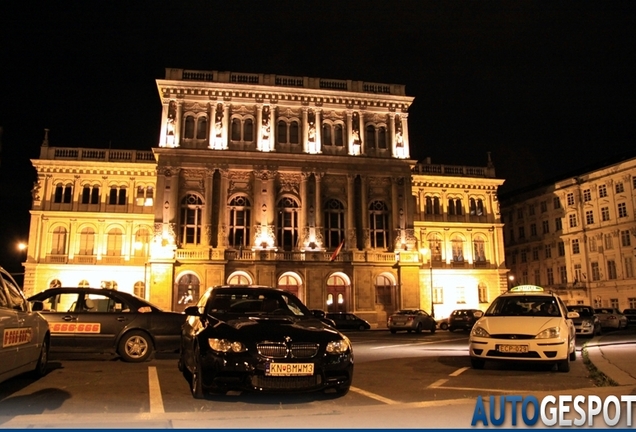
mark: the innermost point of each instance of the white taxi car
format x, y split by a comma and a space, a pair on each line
25, 334
525, 323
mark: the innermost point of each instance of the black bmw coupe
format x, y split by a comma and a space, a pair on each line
255, 338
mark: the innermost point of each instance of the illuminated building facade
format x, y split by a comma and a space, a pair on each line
301, 183
577, 236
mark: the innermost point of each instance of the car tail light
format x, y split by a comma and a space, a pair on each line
410, 318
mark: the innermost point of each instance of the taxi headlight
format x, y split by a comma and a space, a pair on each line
549, 333
339, 346
479, 331
224, 345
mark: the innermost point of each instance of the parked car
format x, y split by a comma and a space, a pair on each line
442, 323
322, 316
611, 318
631, 316
25, 334
98, 320
411, 320
348, 321
463, 319
587, 324
525, 323
253, 338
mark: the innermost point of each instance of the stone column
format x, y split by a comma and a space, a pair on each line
178, 124
164, 121
206, 213
318, 125
318, 206
222, 234
351, 231
392, 133
365, 209
258, 127
212, 124
305, 137
395, 214
405, 135
349, 134
304, 205
226, 126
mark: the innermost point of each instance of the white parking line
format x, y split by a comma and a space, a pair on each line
154, 391
374, 396
438, 383
459, 371
414, 344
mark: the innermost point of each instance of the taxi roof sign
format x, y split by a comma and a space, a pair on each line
526, 288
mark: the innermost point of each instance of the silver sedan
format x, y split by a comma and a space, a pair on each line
411, 320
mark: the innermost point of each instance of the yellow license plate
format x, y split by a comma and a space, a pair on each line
289, 369
517, 349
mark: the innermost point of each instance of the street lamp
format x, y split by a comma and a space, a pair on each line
425, 251
511, 279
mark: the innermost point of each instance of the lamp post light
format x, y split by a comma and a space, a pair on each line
511, 281
425, 251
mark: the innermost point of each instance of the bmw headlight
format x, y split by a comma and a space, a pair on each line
549, 333
224, 345
479, 331
587, 324
339, 346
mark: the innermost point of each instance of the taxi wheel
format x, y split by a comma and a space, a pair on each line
444, 326
433, 328
477, 363
418, 329
42, 364
135, 347
573, 355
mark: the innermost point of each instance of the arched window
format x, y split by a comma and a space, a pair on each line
437, 209
187, 291
334, 223
191, 207
114, 242
239, 279
294, 132
479, 250
383, 291
289, 283
287, 225
282, 132
63, 194
202, 128
58, 241
55, 283
336, 289
428, 208
236, 129
90, 194
83, 284
142, 242
248, 130
139, 289
240, 221
435, 244
382, 138
455, 206
188, 132
378, 224
339, 135
326, 134
87, 242
117, 195
476, 207
458, 248
370, 136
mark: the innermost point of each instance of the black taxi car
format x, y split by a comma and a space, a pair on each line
99, 320
255, 338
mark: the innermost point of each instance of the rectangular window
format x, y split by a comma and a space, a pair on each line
619, 187
563, 274
548, 251
609, 241
520, 214
546, 226
544, 206
587, 195
533, 229
596, 271
602, 191
522, 233
524, 277
572, 219
550, 276
577, 273
531, 208
632, 300
629, 267
556, 201
535, 254
570, 199
561, 248
575, 247
614, 303
537, 277
438, 295
625, 238
524, 256
605, 215
589, 217
611, 269
558, 225
482, 291
461, 295
622, 210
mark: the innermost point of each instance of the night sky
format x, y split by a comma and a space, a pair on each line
547, 87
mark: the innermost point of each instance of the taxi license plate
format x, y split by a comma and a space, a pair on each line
518, 349
289, 369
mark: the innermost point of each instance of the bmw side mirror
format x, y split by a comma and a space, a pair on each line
192, 311
478, 314
37, 306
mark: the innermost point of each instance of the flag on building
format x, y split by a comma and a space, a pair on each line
337, 251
